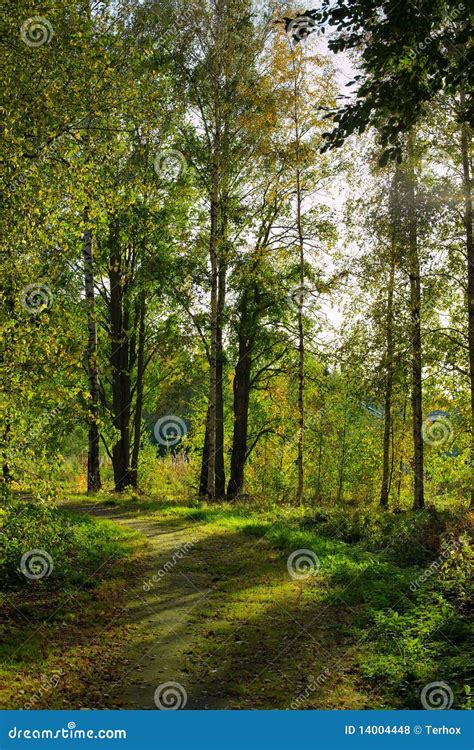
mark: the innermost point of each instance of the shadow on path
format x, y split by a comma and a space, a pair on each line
217, 612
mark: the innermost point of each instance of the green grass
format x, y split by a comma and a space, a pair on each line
75, 604
401, 637
75, 546
405, 637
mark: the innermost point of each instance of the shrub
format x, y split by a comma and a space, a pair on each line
77, 545
455, 574
409, 538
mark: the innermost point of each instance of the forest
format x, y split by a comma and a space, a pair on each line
237, 349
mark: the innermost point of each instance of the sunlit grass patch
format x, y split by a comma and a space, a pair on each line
399, 625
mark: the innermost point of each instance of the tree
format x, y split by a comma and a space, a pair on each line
407, 203
306, 88
389, 362
466, 155
425, 50
422, 48
216, 80
93, 455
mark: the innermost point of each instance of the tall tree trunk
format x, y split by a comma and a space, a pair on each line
342, 461
466, 142
137, 422
7, 477
386, 472
93, 456
241, 390
301, 344
9, 298
203, 479
219, 461
212, 411
119, 358
416, 345
320, 457
401, 462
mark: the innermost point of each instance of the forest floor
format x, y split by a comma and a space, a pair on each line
206, 600
227, 622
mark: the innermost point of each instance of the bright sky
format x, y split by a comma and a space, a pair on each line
337, 193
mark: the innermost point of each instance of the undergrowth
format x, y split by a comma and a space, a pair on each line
406, 578
55, 547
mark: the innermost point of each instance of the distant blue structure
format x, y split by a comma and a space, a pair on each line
374, 410
438, 414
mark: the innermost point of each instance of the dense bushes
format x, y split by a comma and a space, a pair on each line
407, 578
70, 547
407, 538
413, 627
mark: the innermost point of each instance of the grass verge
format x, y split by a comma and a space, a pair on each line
405, 578
63, 579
